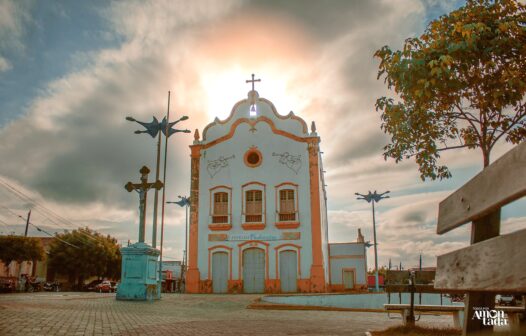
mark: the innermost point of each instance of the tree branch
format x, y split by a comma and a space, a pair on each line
465, 114
463, 117
510, 126
499, 118
443, 149
452, 147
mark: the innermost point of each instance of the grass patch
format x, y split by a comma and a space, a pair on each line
416, 331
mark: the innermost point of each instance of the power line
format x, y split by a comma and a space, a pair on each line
42, 230
4, 224
22, 196
39, 229
54, 236
10, 211
26, 198
46, 213
176, 259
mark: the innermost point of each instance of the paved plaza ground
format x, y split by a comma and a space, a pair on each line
176, 314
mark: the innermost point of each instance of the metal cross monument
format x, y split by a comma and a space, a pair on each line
253, 81
142, 189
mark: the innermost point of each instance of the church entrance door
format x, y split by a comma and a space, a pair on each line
253, 270
220, 272
288, 271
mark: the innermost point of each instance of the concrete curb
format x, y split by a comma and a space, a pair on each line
274, 306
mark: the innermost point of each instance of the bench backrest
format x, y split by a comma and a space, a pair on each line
493, 265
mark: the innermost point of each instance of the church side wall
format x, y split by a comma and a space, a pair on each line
324, 222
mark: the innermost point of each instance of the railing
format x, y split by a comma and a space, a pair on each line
286, 216
399, 282
220, 219
492, 264
253, 218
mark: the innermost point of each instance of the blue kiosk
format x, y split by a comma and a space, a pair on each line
140, 273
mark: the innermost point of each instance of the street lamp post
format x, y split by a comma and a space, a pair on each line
372, 198
184, 202
154, 129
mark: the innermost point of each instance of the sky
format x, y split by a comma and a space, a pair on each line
71, 71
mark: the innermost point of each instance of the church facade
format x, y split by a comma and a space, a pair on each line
258, 212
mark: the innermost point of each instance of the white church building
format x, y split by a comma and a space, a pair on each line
258, 213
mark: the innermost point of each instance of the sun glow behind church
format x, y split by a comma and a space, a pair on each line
225, 88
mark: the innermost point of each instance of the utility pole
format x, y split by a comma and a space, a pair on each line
168, 130
156, 196
27, 223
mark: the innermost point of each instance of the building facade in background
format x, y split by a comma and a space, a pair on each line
38, 269
348, 265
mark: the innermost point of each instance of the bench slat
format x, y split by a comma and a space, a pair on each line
407, 289
423, 307
499, 184
511, 309
494, 265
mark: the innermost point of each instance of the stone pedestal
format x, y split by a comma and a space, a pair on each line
140, 273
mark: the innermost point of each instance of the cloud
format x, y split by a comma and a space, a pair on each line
74, 151
4, 64
15, 18
512, 224
405, 226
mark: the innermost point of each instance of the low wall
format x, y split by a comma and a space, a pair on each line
357, 301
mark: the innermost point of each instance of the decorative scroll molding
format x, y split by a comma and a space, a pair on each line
215, 166
248, 101
293, 162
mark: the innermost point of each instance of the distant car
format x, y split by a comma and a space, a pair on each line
105, 287
92, 285
115, 286
506, 300
7, 284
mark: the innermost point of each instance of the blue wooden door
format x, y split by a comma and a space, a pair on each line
288, 271
253, 270
220, 272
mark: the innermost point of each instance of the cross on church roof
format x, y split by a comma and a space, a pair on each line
253, 81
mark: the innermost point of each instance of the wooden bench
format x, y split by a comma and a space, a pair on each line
404, 311
513, 314
493, 263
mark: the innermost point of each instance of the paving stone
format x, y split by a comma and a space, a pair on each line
176, 314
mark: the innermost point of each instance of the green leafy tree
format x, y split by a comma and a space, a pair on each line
460, 84
19, 249
83, 253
